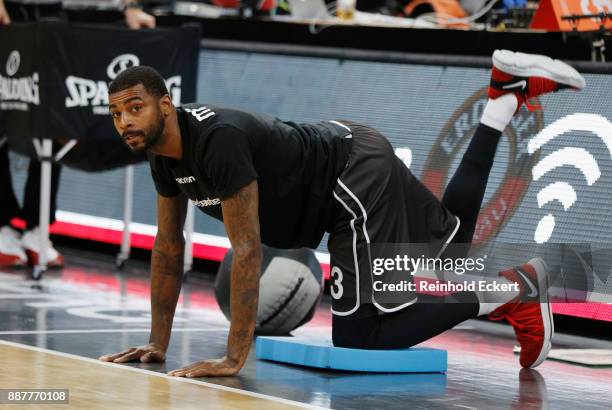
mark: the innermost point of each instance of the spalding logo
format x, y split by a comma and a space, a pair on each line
121, 63
85, 92
12, 64
16, 93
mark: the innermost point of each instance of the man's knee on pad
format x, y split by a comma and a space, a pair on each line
353, 334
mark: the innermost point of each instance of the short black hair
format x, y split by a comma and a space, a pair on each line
151, 80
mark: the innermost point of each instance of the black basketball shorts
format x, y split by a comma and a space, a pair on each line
377, 200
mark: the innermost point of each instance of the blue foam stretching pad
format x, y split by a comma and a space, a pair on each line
322, 354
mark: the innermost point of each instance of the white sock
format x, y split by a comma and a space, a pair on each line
489, 301
498, 112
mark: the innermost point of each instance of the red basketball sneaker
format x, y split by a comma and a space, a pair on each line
529, 314
530, 75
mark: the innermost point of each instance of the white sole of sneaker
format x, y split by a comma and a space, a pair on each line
534, 65
547, 317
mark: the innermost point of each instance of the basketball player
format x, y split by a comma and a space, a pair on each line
284, 184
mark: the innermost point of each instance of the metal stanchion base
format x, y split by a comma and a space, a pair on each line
37, 271
120, 260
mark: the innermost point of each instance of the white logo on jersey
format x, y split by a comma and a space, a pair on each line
201, 113
206, 202
185, 180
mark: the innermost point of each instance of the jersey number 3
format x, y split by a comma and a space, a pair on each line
336, 288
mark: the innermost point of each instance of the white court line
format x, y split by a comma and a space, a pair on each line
71, 331
165, 376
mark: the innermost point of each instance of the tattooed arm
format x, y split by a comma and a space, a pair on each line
167, 266
166, 280
241, 218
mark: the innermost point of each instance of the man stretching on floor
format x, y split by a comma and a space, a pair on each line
284, 184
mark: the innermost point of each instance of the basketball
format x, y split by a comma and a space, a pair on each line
290, 288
